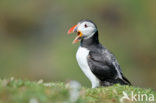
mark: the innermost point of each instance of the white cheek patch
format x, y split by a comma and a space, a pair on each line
87, 31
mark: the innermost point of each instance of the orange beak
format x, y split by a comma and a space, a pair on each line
72, 29
79, 34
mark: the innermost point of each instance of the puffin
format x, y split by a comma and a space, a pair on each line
98, 64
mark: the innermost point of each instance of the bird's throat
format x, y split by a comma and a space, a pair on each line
90, 41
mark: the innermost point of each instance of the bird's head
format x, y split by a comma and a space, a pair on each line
85, 29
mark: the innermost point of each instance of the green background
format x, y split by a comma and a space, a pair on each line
34, 43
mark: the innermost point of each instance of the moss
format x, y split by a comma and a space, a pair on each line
23, 91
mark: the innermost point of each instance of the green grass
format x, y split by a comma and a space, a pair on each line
23, 91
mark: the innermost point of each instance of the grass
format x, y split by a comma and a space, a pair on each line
24, 91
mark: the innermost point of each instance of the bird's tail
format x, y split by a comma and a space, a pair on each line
124, 81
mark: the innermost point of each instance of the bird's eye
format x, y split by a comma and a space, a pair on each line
85, 26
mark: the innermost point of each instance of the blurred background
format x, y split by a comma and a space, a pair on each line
34, 43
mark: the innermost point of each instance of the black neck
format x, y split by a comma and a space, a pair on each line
92, 41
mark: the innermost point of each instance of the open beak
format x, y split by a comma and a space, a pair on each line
79, 34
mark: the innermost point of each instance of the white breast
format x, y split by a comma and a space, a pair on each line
81, 57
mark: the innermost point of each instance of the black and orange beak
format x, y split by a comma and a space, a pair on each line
79, 34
